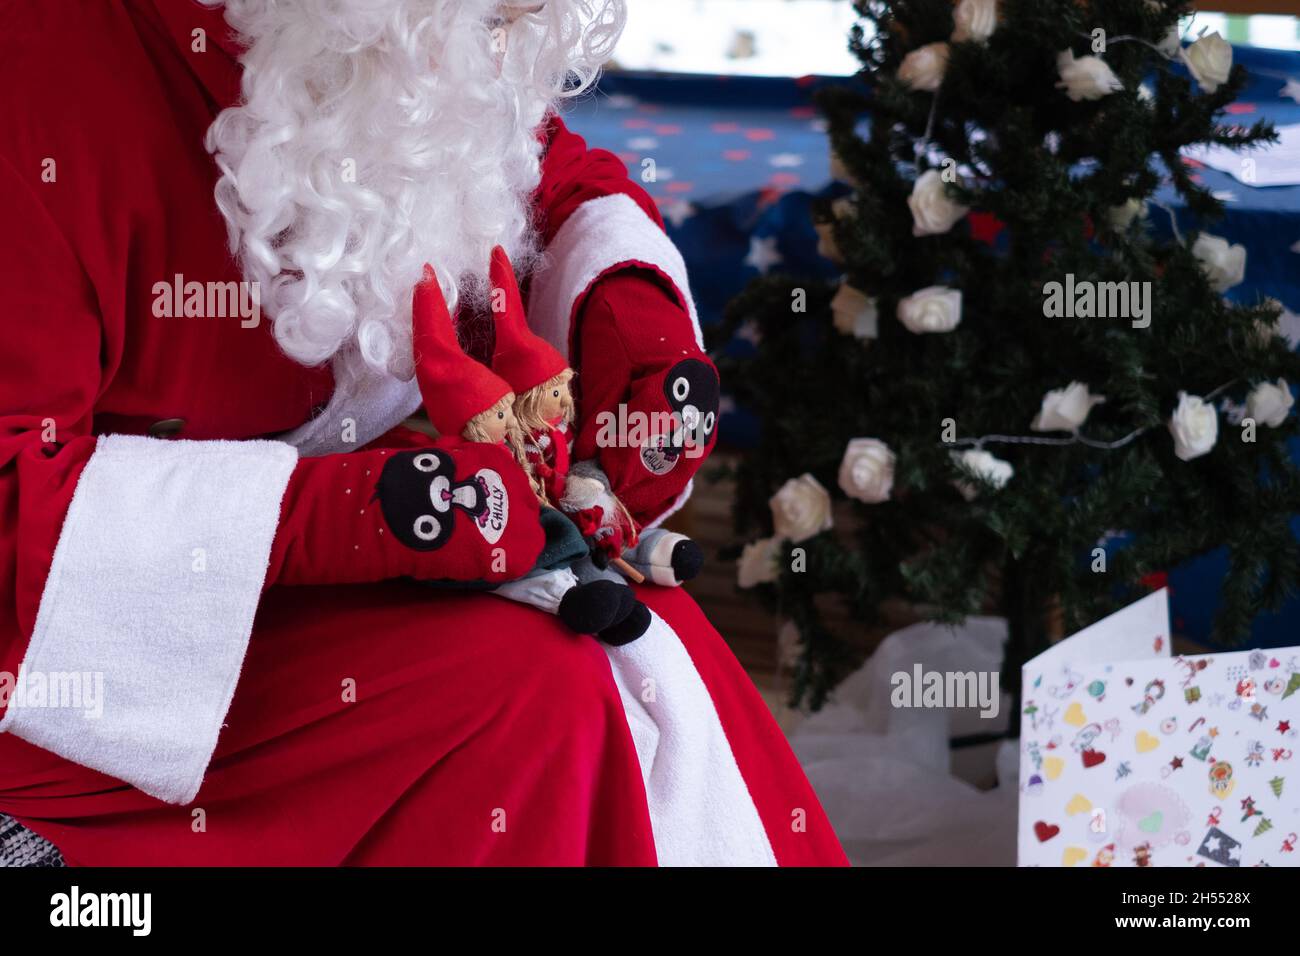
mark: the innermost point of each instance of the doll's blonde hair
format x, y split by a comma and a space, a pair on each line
476, 429
528, 406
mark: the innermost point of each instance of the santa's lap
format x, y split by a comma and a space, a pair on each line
400, 724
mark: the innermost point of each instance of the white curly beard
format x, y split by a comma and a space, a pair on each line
377, 135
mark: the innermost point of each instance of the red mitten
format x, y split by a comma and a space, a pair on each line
637, 347
456, 511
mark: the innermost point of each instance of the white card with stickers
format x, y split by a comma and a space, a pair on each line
1132, 757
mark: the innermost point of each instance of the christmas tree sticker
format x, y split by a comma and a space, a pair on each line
1292, 685
1264, 826
1276, 785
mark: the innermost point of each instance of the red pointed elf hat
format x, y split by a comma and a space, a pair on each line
520, 356
455, 387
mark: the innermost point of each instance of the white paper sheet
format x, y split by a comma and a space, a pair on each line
1142, 759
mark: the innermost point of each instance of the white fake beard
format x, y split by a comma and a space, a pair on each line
378, 135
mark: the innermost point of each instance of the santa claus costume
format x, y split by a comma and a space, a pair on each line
215, 646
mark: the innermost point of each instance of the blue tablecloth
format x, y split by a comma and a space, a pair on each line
735, 163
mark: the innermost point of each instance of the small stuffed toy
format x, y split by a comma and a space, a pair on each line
465, 398
660, 556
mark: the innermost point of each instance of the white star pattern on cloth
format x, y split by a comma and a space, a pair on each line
748, 332
786, 160
763, 254
1292, 89
678, 213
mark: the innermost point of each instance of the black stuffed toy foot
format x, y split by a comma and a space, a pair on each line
687, 559
592, 607
629, 629
627, 604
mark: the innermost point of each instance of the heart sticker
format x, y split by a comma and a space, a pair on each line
1073, 855
1052, 767
1145, 742
1078, 804
1074, 715
1092, 757
1045, 831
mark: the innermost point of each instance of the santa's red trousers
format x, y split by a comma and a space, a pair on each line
393, 724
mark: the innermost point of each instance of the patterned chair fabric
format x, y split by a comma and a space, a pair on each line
21, 847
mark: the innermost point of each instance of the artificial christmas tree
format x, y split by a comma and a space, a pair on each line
1031, 396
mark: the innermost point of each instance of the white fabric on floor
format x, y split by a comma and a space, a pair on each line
884, 774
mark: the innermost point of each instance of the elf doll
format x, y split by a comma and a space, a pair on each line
544, 409
539, 376
467, 400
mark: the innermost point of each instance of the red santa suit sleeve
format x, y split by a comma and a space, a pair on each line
614, 297
140, 562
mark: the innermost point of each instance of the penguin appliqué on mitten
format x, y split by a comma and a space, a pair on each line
420, 494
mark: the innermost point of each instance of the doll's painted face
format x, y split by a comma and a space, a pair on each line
548, 405
496, 423
555, 401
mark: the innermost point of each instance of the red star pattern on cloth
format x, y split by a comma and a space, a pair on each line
1283, 726
1176, 763
984, 227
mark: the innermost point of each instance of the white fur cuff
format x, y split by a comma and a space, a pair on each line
150, 602
597, 238
600, 236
